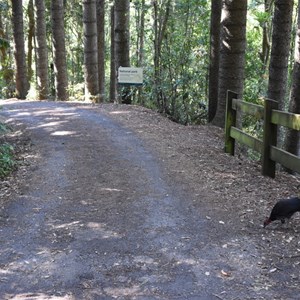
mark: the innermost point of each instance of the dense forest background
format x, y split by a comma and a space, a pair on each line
191, 52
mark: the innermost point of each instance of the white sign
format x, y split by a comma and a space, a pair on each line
128, 75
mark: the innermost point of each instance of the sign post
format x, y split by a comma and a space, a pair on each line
130, 76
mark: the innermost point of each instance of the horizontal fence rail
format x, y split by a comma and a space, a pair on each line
267, 147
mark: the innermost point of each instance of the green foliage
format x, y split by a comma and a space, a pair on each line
76, 91
262, 17
182, 83
7, 162
4, 43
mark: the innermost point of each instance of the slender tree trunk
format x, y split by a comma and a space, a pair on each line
90, 50
113, 76
141, 34
60, 63
281, 40
266, 44
31, 34
140, 56
22, 84
7, 73
42, 50
232, 55
122, 42
161, 17
292, 136
101, 47
215, 22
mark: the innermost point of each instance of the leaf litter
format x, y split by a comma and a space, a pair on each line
234, 195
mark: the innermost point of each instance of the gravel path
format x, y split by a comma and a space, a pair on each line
100, 214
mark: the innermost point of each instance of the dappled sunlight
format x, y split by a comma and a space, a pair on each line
67, 225
51, 124
23, 114
63, 133
101, 231
4, 272
123, 292
111, 190
38, 296
120, 112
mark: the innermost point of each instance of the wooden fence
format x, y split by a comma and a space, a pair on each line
267, 147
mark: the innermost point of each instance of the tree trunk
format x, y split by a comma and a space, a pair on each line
7, 70
216, 9
122, 42
161, 17
265, 53
281, 38
292, 136
30, 38
90, 50
232, 53
22, 84
42, 50
113, 77
141, 35
101, 47
140, 46
60, 64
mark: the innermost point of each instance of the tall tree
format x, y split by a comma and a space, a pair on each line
58, 36
292, 137
161, 17
141, 34
216, 9
90, 50
266, 44
122, 41
281, 38
42, 49
113, 76
30, 38
140, 24
232, 53
101, 47
22, 83
6, 70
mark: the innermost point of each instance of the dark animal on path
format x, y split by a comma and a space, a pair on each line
283, 209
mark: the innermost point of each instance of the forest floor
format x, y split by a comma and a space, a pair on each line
118, 202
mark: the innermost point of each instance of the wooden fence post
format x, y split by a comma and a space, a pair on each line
269, 139
230, 120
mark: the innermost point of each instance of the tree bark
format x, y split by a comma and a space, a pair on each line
266, 44
216, 9
232, 53
7, 70
113, 76
161, 17
140, 46
42, 50
90, 51
292, 137
30, 38
60, 64
22, 83
281, 40
122, 42
101, 47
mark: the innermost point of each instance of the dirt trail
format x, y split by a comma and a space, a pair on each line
102, 215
